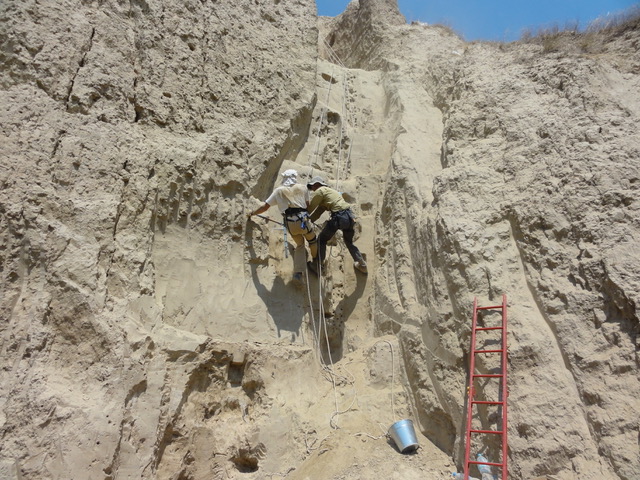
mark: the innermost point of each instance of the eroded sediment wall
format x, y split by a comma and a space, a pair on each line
533, 196
133, 135
149, 331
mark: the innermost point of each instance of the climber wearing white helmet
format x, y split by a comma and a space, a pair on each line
292, 199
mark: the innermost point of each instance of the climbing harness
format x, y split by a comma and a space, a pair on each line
298, 215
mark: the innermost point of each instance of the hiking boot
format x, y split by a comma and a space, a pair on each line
361, 265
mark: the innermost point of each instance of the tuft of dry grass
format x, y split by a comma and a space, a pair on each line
447, 28
618, 22
555, 39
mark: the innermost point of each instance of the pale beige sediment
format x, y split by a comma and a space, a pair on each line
149, 331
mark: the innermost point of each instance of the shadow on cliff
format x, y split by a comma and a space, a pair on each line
348, 304
343, 311
281, 300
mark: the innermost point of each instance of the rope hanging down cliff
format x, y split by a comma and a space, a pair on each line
313, 156
320, 327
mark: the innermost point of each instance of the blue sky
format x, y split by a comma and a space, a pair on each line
502, 20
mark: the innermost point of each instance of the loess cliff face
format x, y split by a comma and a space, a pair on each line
150, 331
536, 196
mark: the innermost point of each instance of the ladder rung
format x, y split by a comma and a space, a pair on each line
489, 308
488, 328
486, 402
487, 431
488, 375
488, 351
472, 462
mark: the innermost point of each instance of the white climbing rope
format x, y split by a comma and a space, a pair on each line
333, 56
393, 410
335, 60
385, 433
321, 328
314, 155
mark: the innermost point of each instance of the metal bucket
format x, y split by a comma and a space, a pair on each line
404, 435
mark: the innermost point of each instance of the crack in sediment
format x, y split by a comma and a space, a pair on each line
81, 64
117, 219
56, 144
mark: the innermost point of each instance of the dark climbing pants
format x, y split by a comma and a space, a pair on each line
342, 220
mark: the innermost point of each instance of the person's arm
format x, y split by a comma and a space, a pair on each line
272, 200
315, 209
260, 210
317, 213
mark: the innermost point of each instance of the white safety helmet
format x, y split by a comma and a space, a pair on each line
289, 177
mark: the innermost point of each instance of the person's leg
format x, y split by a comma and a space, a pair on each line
313, 242
346, 225
327, 233
299, 256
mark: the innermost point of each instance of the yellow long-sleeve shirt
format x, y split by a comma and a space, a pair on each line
326, 198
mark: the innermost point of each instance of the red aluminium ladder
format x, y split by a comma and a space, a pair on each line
501, 401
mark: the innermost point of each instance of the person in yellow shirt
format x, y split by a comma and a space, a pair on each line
292, 199
342, 218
